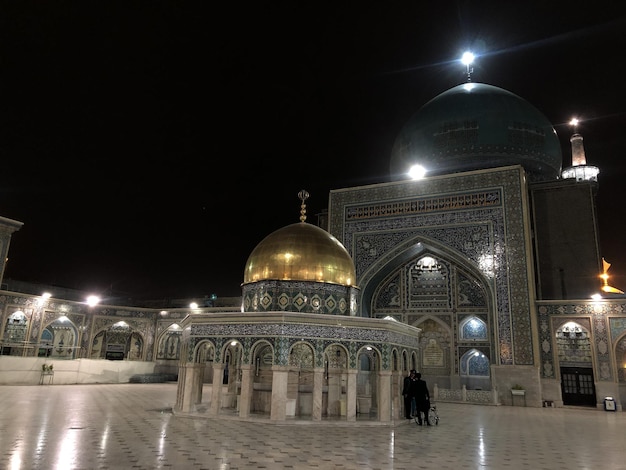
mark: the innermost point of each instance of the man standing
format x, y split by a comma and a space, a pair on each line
408, 392
422, 399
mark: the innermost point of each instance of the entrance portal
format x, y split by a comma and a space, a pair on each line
577, 386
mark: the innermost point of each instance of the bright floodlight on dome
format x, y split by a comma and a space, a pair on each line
467, 59
417, 172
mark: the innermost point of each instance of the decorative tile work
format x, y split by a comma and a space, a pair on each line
284, 336
82, 317
476, 216
421, 205
601, 337
599, 316
298, 296
617, 327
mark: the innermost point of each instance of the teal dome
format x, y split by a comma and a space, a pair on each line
475, 126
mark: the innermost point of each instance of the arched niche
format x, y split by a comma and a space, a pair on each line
170, 343
474, 369
118, 342
59, 339
473, 329
15, 333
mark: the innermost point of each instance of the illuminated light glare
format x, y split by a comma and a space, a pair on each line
574, 122
193, 305
469, 86
163, 435
105, 437
71, 446
487, 265
417, 172
596, 297
605, 279
16, 461
467, 58
233, 343
481, 447
45, 296
163, 312
93, 300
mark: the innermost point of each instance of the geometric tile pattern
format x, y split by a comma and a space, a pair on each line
298, 296
474, 219
607, 320
283, 336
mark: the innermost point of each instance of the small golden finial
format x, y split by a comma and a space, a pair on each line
303, 195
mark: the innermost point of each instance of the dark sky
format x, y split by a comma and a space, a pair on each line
149, 146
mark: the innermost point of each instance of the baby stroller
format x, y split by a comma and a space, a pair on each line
433, 416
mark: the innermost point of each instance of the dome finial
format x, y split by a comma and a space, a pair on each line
303, 195
467, 60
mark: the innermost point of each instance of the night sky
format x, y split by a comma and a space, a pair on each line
149, 146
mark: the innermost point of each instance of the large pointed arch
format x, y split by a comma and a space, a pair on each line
412, 249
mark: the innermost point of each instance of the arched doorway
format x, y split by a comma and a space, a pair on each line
576, 364
261, 402
59, 339
367, 383
118, 342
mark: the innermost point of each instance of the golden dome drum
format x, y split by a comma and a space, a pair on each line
300, 252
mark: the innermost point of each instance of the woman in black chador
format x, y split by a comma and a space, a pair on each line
422, 398
408, 392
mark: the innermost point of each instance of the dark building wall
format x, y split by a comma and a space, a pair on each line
566, 245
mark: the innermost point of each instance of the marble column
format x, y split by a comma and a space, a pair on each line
351, 395
247, 384
216, 389
198, 382
280, 377
397, 400
187, 393
318, 394
384, 395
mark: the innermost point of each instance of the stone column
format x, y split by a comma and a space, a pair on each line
280, 377
198, 382
216, 391
351, 395
384, 395
397, 400
247, 384
187, 394
318, 394
334, 393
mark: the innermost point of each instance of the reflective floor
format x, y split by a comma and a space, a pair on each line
131, 426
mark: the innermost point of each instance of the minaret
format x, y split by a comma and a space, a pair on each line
579, 169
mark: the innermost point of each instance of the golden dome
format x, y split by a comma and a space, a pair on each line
300, 252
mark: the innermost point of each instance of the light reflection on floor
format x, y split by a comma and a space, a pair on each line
124, 426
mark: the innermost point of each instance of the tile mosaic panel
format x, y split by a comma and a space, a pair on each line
602, 317
298, 296
479, 216
284, 336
